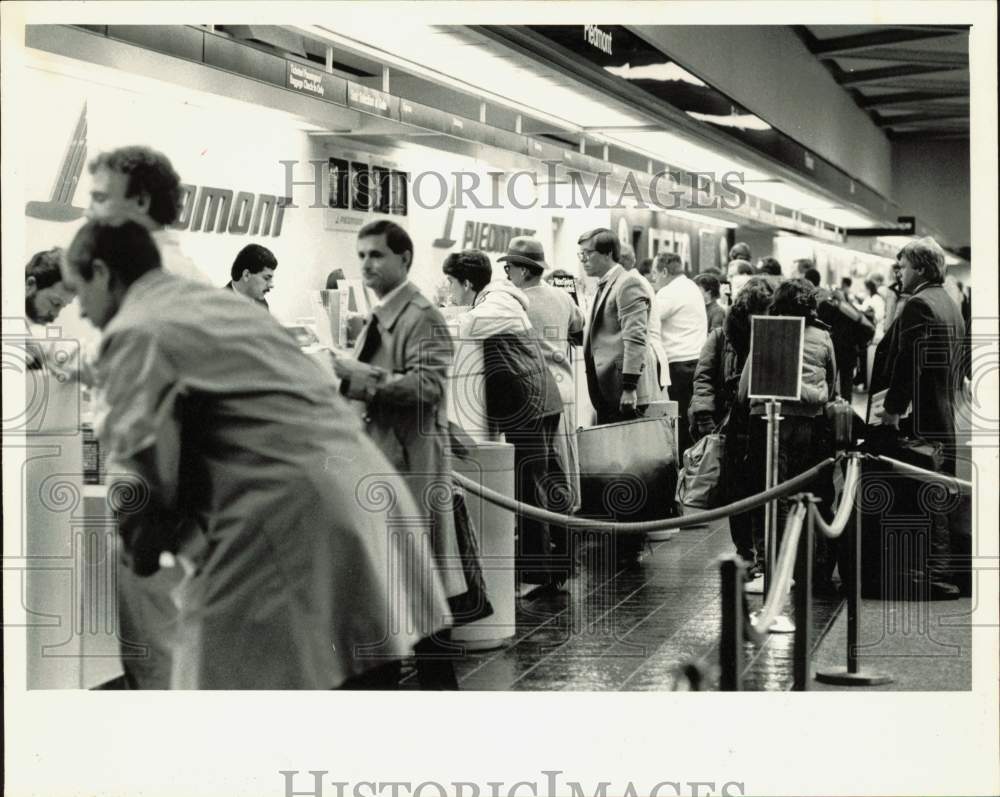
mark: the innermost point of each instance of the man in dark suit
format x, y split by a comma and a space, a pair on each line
253, 273
918, 363
620, 363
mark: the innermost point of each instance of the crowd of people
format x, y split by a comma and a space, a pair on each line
277, 496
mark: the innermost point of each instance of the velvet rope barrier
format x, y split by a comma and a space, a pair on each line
836, 526
785, 564
789, 487
958, 485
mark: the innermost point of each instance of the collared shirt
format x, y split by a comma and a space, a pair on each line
381, 303
262, 302
602, 284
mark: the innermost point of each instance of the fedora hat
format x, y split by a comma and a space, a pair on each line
527, 252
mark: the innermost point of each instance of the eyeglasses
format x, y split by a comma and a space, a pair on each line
584, 254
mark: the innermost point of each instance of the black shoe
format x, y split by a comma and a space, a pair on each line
943, 591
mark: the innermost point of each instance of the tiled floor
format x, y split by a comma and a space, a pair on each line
633, 629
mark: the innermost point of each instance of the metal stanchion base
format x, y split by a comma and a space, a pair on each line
781, 624
841, 677
756, 586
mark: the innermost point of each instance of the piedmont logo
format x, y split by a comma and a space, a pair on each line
60, 205
205, 209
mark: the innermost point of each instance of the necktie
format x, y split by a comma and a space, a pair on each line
373, 337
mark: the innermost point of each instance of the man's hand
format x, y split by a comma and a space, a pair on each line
703, 423
889, 418
628, 402
341, 367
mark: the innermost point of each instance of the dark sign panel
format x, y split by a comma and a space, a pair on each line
362, 98
776, 357
316, 83
565, 282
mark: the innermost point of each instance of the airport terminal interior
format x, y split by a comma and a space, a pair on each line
499, 357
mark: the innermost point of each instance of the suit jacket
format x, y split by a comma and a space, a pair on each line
617, 340
262, 302
407, 415
919, 363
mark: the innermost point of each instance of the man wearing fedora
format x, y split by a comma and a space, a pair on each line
556, 320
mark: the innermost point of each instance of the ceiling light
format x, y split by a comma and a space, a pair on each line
440, 54
743, 121
663, 72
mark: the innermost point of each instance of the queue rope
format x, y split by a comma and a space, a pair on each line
783, 580
952, 481
836, 527
786, 488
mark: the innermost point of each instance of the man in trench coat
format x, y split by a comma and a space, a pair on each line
233, 452
405, 351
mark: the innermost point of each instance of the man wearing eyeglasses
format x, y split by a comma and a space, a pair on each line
620, 364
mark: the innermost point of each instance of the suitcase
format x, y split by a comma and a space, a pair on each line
896, 522
628, 471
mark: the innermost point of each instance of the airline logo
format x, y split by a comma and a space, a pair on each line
59, 206
205, 208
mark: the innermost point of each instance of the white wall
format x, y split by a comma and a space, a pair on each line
241, 149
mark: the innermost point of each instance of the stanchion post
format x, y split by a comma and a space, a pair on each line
773, 410
854, 593
731, 642
803, 600
852, 674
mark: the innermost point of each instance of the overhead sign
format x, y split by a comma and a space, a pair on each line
372, 101
316, 83
776, 347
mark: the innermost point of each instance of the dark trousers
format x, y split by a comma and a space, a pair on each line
801, 445
539, 480
435, 670
681, 389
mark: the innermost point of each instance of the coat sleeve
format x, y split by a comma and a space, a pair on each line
832, 383
633, 317
914, 323
427, 356
141, 427
576, 318
703, 398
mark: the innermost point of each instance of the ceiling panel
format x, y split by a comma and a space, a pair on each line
912, 72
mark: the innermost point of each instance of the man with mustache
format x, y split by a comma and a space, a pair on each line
45, 294
253, 273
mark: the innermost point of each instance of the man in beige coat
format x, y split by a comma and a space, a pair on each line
403, 356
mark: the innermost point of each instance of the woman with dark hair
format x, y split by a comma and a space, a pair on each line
803, 438
716, 382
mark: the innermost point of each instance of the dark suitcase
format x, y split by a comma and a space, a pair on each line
627, 470
897, 515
